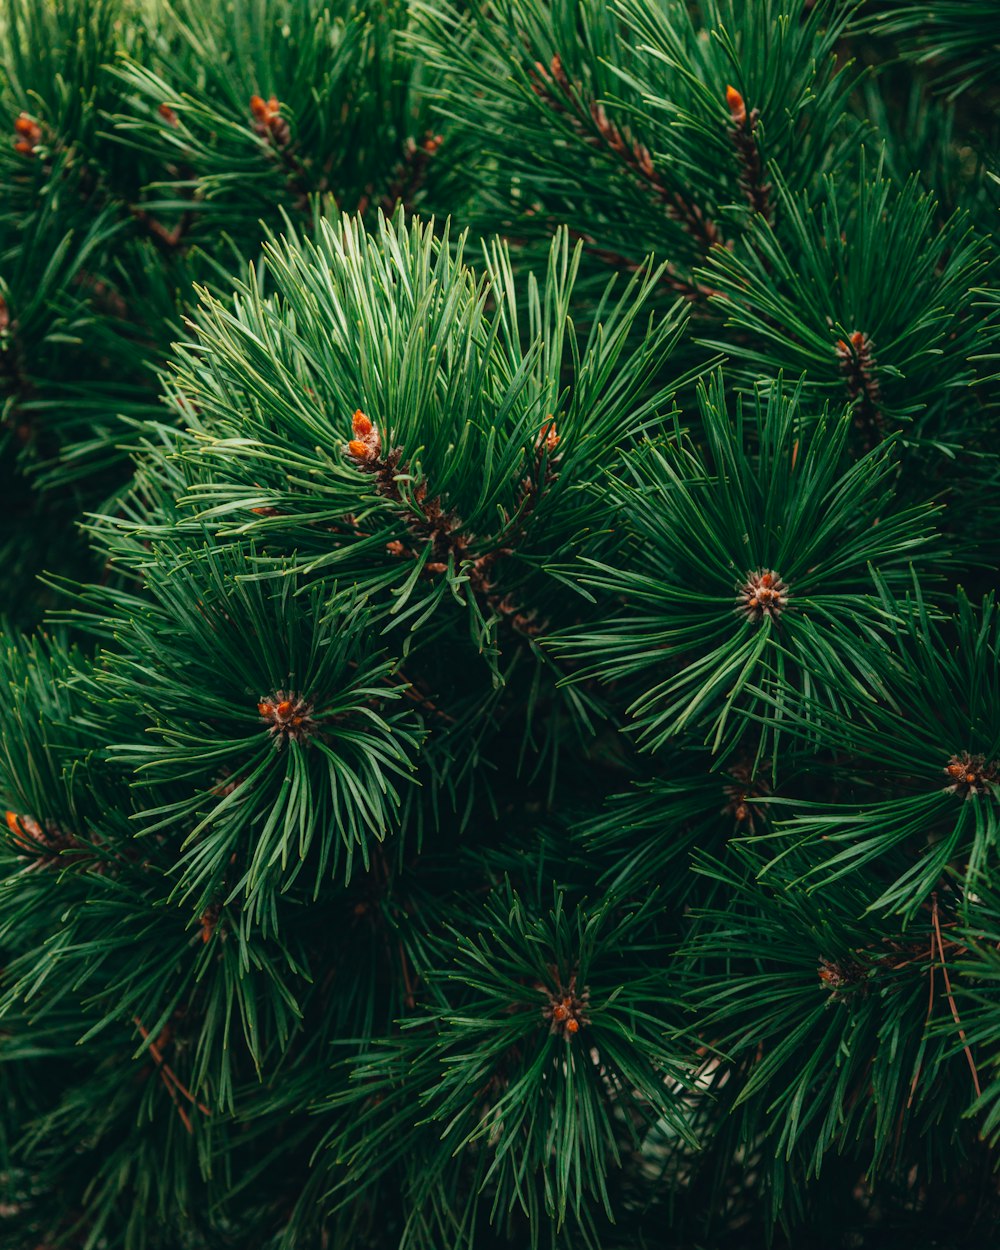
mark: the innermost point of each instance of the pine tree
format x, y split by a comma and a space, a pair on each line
513, 755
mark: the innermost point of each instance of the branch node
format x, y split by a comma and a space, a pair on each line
859, 369
762, 594
565, 1009
287, 715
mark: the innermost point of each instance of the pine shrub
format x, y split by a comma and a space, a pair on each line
500, 735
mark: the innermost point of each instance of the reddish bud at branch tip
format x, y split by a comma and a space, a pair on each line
855, 345
737, 106
264, 111
366, 444
30, 133
548, 437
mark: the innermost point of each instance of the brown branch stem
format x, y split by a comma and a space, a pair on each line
936, 923
170, 1078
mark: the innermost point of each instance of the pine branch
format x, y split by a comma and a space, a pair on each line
430, 522
590, 121
670, 276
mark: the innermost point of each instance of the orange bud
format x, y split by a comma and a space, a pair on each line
572, 1026
258, 108
24, 125
265, 708
358, 449
22, 145
737, 106
284, 707
168, 114
26, 830
548, 437
361, 425
559, 1012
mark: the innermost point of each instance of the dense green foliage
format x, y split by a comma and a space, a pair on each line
506, 749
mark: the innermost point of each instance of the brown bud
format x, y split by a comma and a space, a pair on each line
548, 438
208, 920
28, 833
366, 444
762, 594
644, 159
737, 106
287, 715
